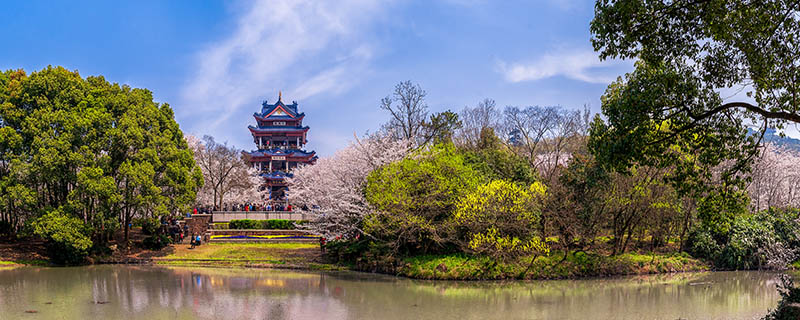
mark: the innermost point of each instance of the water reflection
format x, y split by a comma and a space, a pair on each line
146, 292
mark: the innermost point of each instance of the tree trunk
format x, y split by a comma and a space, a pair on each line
127, 222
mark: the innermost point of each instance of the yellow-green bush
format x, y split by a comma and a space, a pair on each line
498, 219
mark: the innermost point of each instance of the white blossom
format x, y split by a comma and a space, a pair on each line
775, 179
228, 177
332, 190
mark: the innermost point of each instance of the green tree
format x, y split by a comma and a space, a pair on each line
441, 127
641, 130
688, 50
67, 237
494, 160
96, 151
577, 203
416, 197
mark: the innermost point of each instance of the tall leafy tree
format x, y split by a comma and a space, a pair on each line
93, 150
688, 51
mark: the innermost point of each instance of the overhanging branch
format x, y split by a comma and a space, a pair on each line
788, 116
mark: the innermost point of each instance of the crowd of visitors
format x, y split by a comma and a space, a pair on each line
268, 206
179, 232
173, 228
258, 207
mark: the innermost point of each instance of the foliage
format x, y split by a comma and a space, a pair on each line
636, 135
717, 210
498, 218
67, 237
156, 242
416, 196
495, 161
100, 151
577, 202
790, 298
721, 43
244, 224
276, 224
459, 266
441, 127
747, 236
687, 51
362, 254
766, 240
150, 226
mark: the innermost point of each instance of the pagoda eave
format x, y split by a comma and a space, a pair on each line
289, 118
288, 132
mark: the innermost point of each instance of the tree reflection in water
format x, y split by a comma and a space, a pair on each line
147, 292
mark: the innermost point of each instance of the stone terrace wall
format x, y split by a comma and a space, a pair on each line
258, 232
227, 216
198, 224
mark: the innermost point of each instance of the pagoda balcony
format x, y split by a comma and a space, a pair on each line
290, 146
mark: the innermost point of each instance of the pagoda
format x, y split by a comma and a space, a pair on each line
279, 137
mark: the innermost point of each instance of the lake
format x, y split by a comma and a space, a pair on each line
153, 292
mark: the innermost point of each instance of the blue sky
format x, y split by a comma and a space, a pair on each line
214, 62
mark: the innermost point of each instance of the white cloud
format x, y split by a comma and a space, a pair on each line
577, 65
303, 47
337, 78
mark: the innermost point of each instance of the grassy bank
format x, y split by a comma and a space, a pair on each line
442, 267
554, 266
280, 255
445, 267
5, 263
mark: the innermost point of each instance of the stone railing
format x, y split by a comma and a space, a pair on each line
227, 216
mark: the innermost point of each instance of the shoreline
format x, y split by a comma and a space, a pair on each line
338, 268
308, 257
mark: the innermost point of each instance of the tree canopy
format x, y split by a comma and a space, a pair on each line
670, 108
93, 150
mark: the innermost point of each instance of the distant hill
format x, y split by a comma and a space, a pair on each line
772, 136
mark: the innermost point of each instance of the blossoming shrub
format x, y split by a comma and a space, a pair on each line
498, 219
331, 192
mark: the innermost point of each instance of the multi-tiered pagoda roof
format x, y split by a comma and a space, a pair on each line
279, 136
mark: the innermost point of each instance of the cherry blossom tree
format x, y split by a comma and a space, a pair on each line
775, 178
228, 177
332, 190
